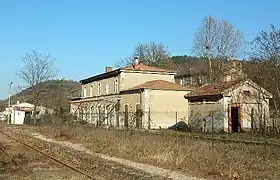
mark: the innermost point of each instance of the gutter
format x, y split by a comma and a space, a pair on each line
132, 91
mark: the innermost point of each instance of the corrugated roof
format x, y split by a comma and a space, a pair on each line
161, 85
143, 67
212, 89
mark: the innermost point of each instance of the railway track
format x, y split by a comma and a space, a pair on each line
29, 174
89, 166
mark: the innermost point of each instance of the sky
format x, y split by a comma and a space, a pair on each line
85, 36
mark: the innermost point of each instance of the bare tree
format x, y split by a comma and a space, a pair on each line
219, 40
151, 53
264, 67
266, 45
37, 68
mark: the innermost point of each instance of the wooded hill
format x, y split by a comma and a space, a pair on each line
54, 93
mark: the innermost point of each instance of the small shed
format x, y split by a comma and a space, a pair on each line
18, 112
234, 106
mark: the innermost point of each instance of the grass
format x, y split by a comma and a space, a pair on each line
177, 151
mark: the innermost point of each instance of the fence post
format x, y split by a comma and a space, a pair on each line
212, 125
252, 122
264, 123
273, 122
149, 119
176, 120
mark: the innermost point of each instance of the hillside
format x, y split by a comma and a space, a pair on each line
54, 93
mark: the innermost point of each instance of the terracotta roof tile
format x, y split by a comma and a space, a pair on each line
143, 67
161, 85
212, 89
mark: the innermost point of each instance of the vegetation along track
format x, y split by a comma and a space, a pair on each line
40, 152
91, 165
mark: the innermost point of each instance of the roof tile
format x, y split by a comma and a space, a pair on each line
212, 89
161, 85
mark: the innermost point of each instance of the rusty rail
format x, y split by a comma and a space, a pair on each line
51, 157
13, 159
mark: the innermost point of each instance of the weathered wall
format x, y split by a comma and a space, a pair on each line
163, 106
200, 111
111, 87
131, 100
132, 79
252, 100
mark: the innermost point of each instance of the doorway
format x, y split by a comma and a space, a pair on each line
234, 119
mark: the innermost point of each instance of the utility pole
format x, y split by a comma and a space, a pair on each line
9, 102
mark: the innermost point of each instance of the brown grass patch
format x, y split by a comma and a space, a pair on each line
192, 156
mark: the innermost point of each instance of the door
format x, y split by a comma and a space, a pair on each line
234, 119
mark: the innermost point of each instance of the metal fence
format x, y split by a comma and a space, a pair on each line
137, 120
177, 120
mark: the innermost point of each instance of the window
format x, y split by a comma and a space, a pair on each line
116, 86
107, 88
98, 89
91, 90
85, 91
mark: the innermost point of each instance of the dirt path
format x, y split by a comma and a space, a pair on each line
153, 170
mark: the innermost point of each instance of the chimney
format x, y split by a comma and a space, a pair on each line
136, 62
108, 69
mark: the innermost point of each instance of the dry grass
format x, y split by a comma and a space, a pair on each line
192, 156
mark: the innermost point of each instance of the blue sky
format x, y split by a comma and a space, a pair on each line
84, 36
